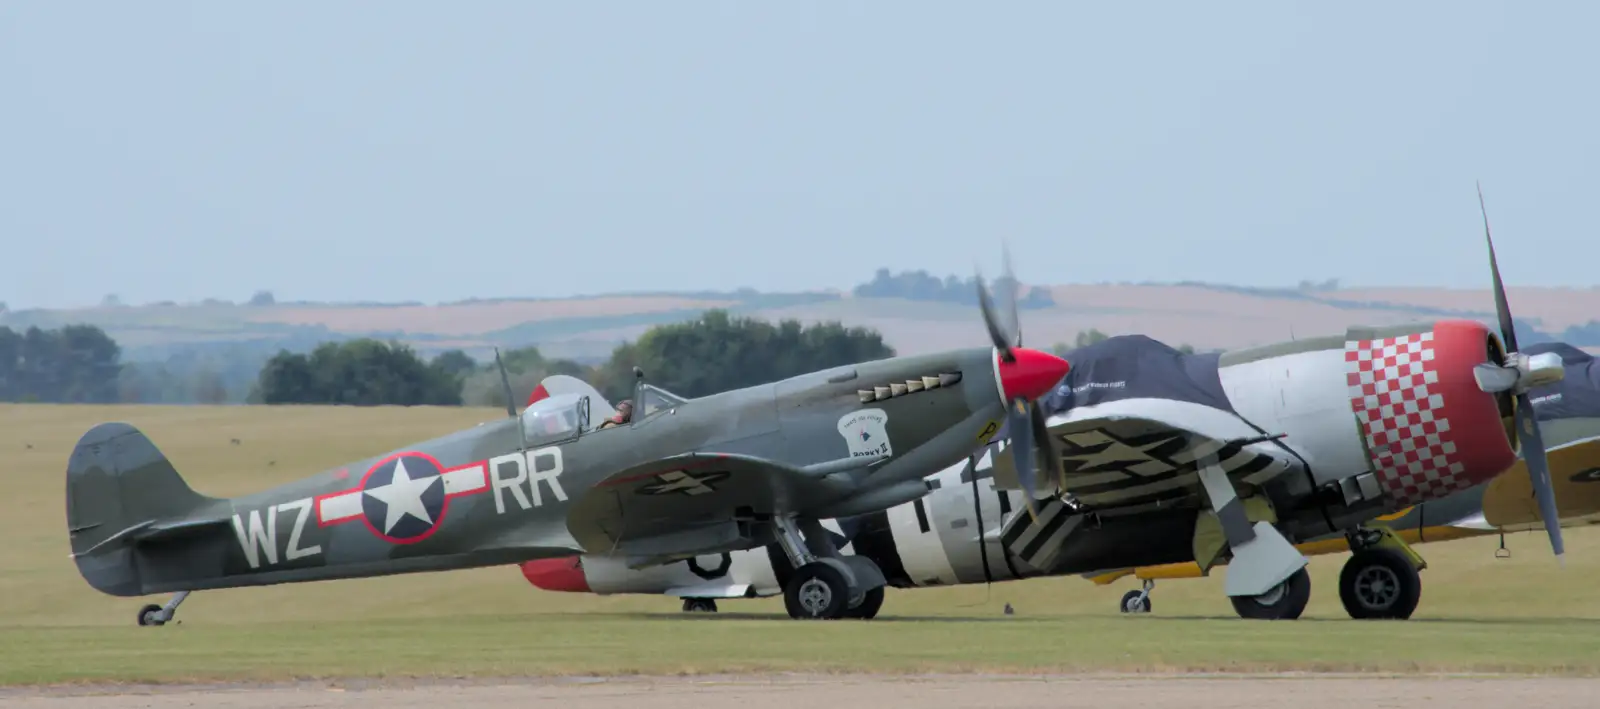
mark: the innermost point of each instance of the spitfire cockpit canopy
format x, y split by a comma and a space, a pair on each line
554, 418
561, 408
558, 385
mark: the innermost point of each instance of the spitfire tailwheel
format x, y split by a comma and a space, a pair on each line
699, 605
1286, 601
1379, 583
159, 615
151, 615
867, 609
817, 591
1135, 602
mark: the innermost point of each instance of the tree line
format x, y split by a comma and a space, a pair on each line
713, 353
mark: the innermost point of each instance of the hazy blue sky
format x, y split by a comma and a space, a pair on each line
408, 150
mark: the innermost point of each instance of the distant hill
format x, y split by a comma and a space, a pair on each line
930, 314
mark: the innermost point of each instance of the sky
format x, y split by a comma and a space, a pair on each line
435, 151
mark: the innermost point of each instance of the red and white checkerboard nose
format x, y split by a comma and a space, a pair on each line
1430, 430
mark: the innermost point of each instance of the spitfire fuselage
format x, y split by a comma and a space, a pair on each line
504, 491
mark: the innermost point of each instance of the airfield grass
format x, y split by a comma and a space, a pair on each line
1478, 613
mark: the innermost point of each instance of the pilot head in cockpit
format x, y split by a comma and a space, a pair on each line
624, 414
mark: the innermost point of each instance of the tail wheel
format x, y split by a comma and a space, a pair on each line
1135, 602
151, 615
867, 609
1286, 601
1379, 583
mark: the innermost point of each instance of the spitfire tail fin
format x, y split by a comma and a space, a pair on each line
121, 491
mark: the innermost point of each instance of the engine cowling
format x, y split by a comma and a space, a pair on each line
1391, 417
1429, 430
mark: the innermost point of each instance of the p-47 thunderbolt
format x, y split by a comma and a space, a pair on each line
683, 477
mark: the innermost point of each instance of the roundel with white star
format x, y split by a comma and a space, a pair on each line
403, 497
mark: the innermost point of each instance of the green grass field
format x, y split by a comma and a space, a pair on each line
1478, 613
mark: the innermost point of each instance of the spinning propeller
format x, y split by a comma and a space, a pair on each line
1025, 375
1517, 376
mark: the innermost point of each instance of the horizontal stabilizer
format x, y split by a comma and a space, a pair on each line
177, 529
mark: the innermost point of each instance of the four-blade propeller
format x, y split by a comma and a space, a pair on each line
1518, 375
1032, 449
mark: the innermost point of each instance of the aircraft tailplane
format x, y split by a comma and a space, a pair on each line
122, 491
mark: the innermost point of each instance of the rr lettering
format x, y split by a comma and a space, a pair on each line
521, 474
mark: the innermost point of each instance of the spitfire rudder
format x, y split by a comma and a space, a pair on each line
122, 490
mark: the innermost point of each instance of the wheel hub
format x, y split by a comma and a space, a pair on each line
815, 596
1377, 587
1274, 596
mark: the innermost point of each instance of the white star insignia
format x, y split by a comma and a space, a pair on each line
403, 496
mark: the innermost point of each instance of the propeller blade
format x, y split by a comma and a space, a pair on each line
986, 306
1014, 323
1508, 333
1023, 454
1049, 460
1533, 455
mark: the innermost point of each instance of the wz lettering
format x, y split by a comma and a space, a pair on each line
260, 539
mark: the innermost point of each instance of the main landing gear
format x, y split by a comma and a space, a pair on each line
159, 615
1381, 579
1285, 601
826, 585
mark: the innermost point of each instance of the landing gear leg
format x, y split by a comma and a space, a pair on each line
817, 590
825, 585
699, 605
159, 615
1381, 579
865, 579
1138, 601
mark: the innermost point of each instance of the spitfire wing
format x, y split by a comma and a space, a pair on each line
687, 504
1137, 454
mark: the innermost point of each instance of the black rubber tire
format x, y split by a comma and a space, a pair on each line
870, 603
1399, 591
835, 592
151, 616
1127, 602
699, 605
1287, 605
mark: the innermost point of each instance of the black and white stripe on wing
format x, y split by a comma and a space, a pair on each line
1104, 469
